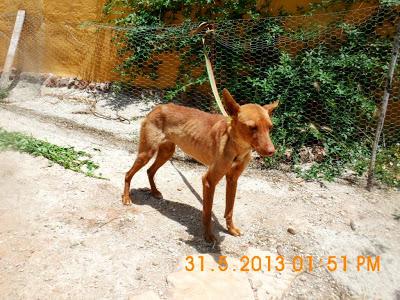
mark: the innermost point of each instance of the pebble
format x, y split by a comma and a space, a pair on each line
352, 225
139, 277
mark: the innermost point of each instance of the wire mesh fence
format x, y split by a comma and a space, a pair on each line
328, 71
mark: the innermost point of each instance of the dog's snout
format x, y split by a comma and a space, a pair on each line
266, 151
270, 150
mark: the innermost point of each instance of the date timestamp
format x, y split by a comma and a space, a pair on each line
280, 263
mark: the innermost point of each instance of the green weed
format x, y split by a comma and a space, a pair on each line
67, 157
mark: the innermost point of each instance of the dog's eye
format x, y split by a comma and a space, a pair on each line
253, 128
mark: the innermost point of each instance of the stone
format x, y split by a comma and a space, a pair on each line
100, 87
63, 82
71, 83
352, 225
51, 81
92, 86
81, 84
319, 153
306, 155
103, 87
274, 283
210, 283
289, 154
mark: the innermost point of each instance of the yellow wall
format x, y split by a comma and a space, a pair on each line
52, 40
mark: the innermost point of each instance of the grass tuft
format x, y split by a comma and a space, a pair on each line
67, 157
3, 94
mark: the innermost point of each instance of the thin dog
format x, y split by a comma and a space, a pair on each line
222, 144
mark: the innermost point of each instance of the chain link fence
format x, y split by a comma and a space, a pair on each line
328, 70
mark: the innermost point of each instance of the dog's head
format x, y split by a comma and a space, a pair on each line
252, 123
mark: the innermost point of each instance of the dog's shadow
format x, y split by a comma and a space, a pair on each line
185, 214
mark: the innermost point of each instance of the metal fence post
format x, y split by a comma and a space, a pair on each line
385, 100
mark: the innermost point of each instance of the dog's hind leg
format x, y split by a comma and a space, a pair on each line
147, 148
165, 152
141, 160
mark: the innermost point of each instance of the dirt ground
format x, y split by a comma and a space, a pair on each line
64, 235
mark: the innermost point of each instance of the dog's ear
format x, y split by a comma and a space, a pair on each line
271, 107
232, 108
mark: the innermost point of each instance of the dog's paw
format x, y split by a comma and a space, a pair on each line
126, 200
210, 237
157, 194
234, 231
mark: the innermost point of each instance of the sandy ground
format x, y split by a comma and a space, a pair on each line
64, 235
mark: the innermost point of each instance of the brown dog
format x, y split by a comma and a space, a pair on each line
221, 144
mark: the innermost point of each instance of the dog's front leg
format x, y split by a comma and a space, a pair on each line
231, 184
210, 180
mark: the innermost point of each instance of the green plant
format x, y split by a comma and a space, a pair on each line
67, 157
3, 94
388, 165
